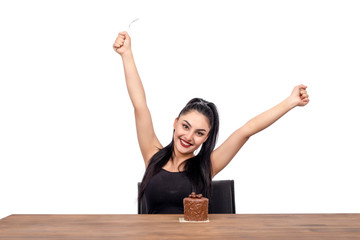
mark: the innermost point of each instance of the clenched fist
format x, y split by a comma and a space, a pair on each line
300, 96
122, 43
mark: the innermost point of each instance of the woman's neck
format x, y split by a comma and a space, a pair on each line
175, 164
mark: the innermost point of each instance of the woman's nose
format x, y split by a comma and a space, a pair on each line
189, 136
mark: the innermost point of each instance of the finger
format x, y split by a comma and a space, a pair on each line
302, 91
302, 86
304, 95
117, 45
121, 36
116, 49
119, 41
126, 35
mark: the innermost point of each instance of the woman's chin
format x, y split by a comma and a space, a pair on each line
184, 150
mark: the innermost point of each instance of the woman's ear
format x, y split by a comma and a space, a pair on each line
175, 122
206, 137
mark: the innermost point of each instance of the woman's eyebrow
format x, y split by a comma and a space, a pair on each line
187, 123
191, 126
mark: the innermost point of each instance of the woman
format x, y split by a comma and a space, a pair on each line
174, 171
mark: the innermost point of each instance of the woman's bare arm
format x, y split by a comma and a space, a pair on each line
148, 142
225, 153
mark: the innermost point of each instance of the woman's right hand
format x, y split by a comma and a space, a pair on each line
122, 43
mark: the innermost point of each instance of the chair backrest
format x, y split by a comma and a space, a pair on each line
142, 207
222, 199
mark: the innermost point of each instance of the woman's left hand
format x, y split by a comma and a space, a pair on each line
300, 96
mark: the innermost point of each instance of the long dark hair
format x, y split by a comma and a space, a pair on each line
197, 168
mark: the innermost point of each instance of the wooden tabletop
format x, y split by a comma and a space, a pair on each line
221, 226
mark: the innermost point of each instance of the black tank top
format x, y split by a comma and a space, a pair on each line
165, 192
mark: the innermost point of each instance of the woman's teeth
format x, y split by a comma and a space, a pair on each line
185, 143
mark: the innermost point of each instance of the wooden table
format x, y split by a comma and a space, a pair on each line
221, 226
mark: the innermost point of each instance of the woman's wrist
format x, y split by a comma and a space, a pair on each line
290, 102
126, 55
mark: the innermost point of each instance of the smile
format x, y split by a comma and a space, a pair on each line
185, 143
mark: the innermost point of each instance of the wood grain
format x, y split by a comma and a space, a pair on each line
221, 226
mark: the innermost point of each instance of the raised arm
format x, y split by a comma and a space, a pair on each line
148, 142
225, 153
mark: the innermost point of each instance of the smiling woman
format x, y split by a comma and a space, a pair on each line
197, 125
174, 171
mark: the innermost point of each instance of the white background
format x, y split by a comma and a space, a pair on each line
67, 131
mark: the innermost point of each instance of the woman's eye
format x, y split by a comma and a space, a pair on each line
200, 133
185, 126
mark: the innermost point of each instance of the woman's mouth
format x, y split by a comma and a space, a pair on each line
184, 143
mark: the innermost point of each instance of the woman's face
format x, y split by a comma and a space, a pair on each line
191, 130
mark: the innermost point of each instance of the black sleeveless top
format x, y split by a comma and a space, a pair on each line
165, 192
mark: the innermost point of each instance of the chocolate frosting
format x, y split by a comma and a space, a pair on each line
195, 207
194, 195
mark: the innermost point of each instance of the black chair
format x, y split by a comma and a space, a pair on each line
222, 199
142, 207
